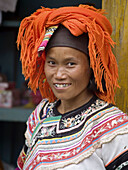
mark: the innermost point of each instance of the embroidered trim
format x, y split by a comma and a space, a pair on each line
73, 121
124, 164
48, 152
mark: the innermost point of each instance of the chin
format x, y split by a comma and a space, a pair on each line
62, 97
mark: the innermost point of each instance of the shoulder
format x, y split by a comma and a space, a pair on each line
34, 117
106, 122
101, 110
39, 114
105, 127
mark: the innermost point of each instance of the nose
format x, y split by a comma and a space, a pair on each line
60, 73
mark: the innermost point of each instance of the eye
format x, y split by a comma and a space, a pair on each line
51, 63
71, 64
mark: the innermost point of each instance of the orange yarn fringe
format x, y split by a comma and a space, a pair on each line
79, 19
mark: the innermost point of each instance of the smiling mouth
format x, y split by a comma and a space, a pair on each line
62, 85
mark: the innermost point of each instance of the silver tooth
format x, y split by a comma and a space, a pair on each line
61, 85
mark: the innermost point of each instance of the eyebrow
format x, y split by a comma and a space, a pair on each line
65, 60
50, 57
69, 59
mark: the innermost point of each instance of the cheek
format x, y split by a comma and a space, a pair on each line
47, 75
46, 71
84, 73
84, 77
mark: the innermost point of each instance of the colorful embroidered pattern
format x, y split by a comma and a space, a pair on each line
77, 119
51, 147
47, 36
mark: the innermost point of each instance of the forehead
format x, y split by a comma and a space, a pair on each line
65, 53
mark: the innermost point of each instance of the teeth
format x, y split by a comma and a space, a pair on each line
61, 85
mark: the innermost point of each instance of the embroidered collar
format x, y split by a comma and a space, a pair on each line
75, 111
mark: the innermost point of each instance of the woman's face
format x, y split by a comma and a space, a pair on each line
68, 73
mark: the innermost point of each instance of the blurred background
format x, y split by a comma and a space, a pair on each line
16, 100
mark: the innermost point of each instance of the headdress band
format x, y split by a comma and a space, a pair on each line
60, 36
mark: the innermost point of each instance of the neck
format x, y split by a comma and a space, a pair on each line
68, 105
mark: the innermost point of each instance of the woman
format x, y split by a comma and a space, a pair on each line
66, 53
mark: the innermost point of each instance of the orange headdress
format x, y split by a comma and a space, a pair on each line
77, 20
